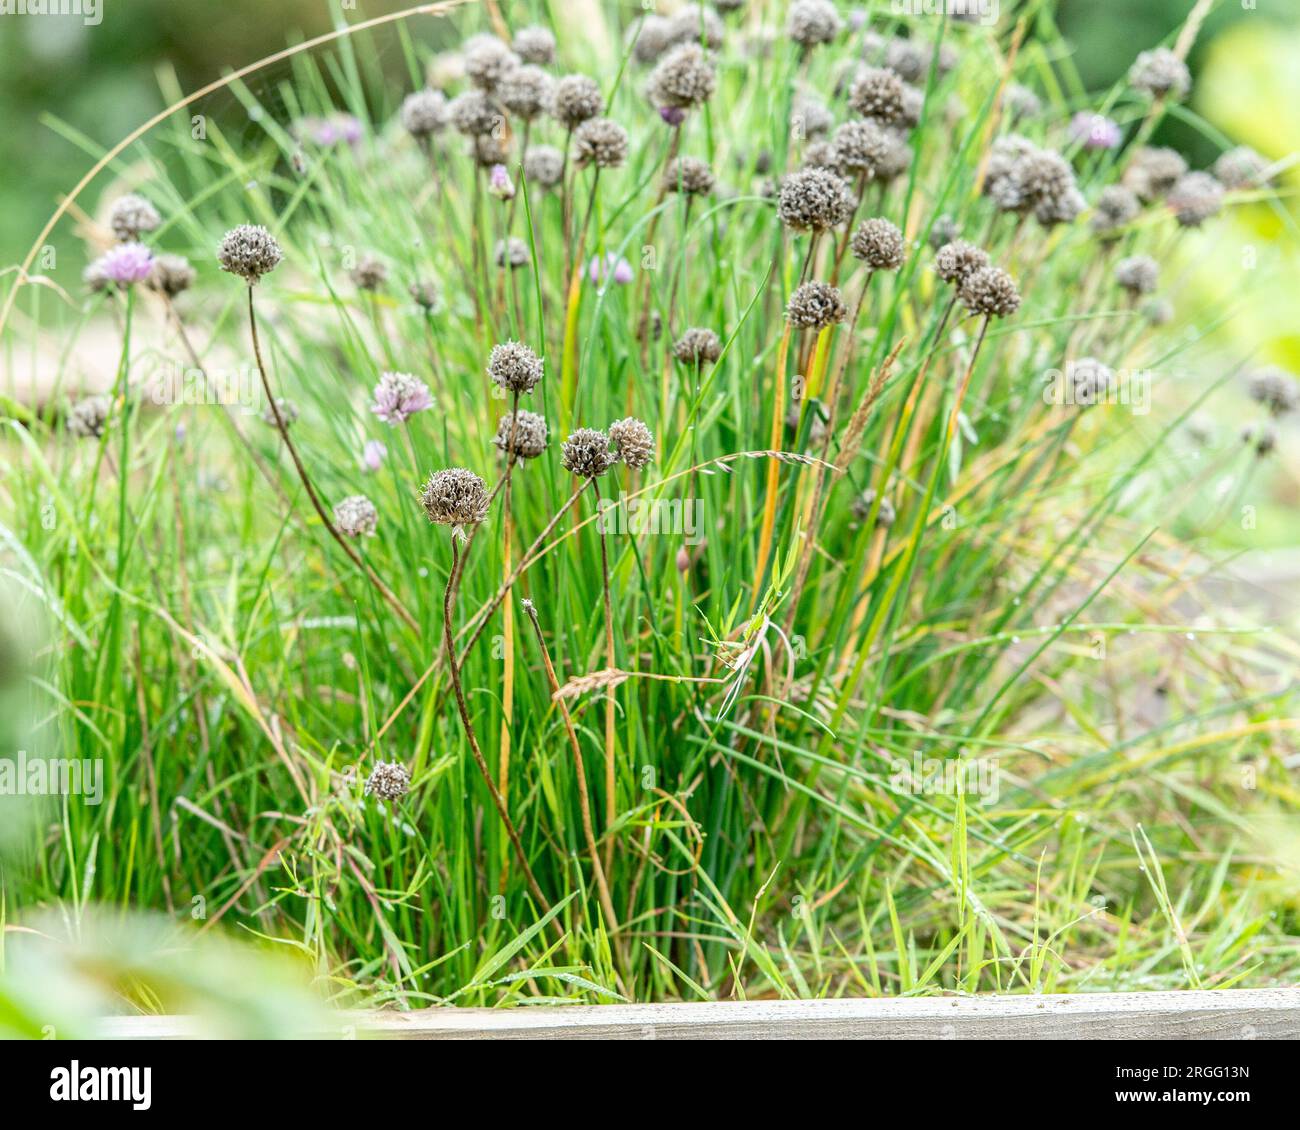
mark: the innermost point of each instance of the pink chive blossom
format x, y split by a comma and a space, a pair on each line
614, 268
125, 264
373, 454
399, 396
500, 184
332, 130
673, 115
1095, 131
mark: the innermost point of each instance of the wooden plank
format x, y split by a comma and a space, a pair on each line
1229, 1015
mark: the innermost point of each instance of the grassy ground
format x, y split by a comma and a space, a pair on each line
1123, 812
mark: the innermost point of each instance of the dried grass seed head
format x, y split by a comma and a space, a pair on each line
529, 431
131, 216
249, 251
814, 200
816, 305
575, 99
698, 346
514, 367
601, 142
879, 244
455, 497
990, 291
586, 453
633, 442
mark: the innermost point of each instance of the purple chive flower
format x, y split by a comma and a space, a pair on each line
673, 115
330, 131
500, 183
1095, 131
399, 396
373, 454
126, 263
614, 268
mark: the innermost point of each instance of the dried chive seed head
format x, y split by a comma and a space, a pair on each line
879, 244
487, 61
1020, 102
543, 165
534, 45
955, 261
586, 453
287, 408
514, 367
813, 22
822, 155
653, 39
1116, 208
877, 93
689, 175
512, 253
810, 118
1242, 167
1194, 199
1024, 179
529, 431
526, 91
1088, 380
695, 23
1261, 437
817, 416
249, 251
474, 114
600, 142
424, 113
698, 346
88, 417
370, 273
989, 291
1138, 274
1276, 389
574, 99
683, 78
944, 230
171, 275
813, 200
131, 216
356, 516
862, 509
1153, 172
490, 149
455, 497
1160, 73
388, 780
816, 305
633, 443
426, 294
861, 147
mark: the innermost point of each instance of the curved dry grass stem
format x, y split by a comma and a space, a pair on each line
438, 9
325, 517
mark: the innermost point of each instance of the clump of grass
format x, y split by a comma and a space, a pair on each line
893, 655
